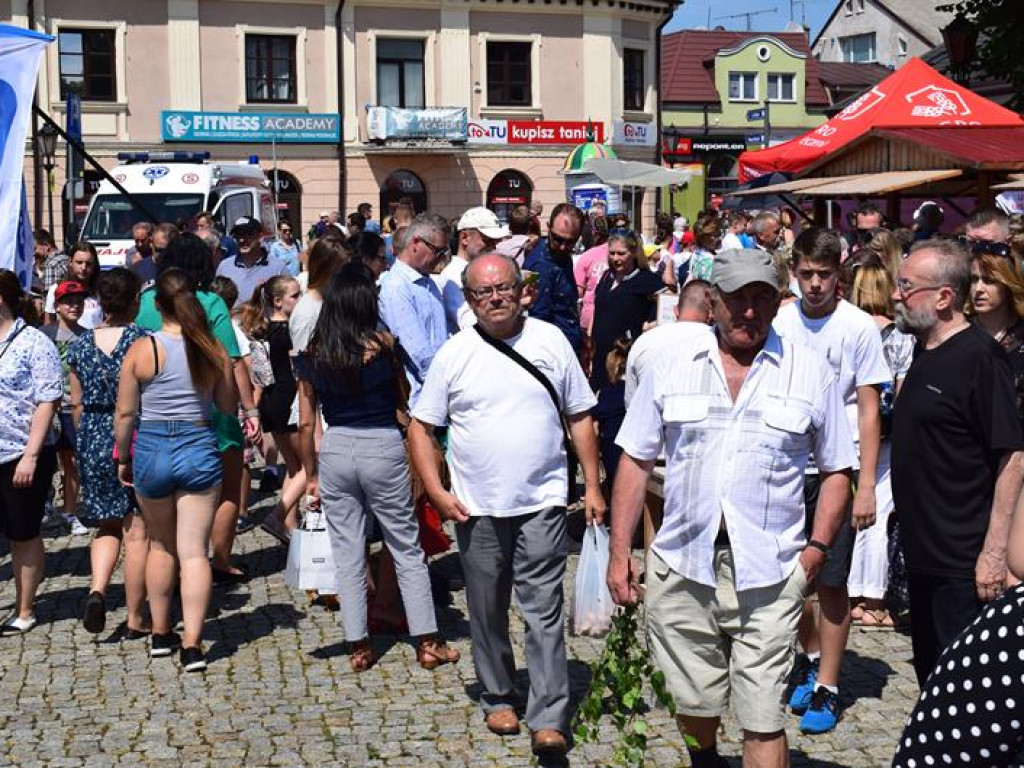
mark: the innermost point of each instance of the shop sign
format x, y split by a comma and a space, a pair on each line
264, 128
533, 132
633, 134
692, 146
443, 123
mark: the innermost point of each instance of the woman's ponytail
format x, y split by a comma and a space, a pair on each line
177, 301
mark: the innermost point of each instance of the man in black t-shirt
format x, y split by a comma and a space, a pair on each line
956, 466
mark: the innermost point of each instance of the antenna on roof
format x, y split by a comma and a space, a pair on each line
748, 15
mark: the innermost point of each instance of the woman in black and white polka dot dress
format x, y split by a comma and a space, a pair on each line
971, 710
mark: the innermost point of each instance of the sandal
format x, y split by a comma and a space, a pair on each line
432, 652
362, 657
857, 612
877, 618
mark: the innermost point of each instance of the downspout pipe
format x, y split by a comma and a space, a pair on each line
659, 157
342, 162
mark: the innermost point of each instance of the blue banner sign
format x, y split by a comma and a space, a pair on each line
263, 127
444, 123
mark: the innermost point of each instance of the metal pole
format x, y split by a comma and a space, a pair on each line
273, 151
767, 124
49, 194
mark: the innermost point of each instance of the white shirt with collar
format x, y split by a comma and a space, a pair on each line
739, 463
449, 282
652, 345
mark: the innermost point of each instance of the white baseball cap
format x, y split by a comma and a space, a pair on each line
483, 220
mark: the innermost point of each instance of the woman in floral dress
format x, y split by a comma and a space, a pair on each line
95, 360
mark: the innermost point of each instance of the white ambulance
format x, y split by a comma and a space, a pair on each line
173, 187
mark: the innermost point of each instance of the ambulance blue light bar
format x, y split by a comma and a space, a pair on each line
163, 157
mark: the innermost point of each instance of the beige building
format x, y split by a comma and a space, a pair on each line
521, 79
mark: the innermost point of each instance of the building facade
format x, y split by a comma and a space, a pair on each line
330, 89
724, 92
886, 32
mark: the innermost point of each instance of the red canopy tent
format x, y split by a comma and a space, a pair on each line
914, 96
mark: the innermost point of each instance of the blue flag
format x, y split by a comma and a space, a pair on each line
20, 54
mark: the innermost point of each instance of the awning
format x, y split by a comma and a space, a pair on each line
982, 147
861, 185
876, 184
630, 173
791, 187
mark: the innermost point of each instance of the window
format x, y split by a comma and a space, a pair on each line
902, 44
858, 48
87, 64
781, 88
633, 85
854, 6
508, 74
742, 86
270, 71
400, 73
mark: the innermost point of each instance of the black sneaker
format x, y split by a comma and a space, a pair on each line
95, 618
163, 645
192, 659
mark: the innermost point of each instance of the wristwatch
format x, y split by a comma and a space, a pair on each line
823, 548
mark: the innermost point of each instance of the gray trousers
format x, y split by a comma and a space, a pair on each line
367, 470
527, 551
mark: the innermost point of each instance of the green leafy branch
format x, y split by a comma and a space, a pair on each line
617, 687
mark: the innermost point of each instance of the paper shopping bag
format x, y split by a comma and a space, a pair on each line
310, 561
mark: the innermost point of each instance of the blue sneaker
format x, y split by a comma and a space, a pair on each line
806, 677
822, 714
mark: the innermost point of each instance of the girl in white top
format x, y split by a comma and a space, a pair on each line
84, 268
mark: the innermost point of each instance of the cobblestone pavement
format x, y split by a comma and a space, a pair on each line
279, 690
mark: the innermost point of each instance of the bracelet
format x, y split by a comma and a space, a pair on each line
252, 413
823, 548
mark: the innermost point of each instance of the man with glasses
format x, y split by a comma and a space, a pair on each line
479, 231
509, 485
411, 304
557, 299
286, 248
253, 266
956, 466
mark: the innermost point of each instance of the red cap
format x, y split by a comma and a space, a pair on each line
688, 238
69, 288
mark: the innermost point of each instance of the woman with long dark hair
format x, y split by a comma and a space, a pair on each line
31, 386
352, 371
95, 360
368, 247
176, 376
191, 255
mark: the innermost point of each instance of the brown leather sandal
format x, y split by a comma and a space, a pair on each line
432, 652
361, 656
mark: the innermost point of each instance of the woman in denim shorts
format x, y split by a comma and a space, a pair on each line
175, 377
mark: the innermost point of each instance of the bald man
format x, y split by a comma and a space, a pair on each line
509, 485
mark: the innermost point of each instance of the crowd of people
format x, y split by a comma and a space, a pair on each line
838, 413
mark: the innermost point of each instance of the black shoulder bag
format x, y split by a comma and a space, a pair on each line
531, 369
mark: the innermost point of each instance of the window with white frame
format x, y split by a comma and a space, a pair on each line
742, 86
88, 63
781, 87
271, 73
509, 76
634, 84
400, 72
858, 48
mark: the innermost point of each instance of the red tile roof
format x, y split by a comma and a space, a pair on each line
841, 74
687, 64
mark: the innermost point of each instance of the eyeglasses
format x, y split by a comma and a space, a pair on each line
552, 237
439, 251
623, 232
285, 231
501, 291
906, 289
985, 247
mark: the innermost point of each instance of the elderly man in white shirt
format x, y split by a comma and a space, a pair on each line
739, 412
509, 486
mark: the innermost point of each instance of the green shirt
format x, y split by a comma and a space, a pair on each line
217, 316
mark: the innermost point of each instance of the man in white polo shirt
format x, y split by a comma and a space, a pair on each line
738, 412
509, 488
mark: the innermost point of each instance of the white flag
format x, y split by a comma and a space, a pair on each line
20, 52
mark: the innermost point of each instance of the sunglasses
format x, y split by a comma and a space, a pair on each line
986, 247
439, 251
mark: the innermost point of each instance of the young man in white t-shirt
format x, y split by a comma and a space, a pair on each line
849, 339
509, 489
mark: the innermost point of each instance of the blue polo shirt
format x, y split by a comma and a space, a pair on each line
249, 278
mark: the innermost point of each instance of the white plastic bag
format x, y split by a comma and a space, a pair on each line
592, 606
310, 560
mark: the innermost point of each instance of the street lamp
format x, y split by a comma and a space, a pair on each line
48, 149
961, 38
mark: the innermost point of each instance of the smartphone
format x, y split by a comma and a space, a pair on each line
529, 278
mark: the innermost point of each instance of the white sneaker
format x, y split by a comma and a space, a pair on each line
13, 625
77, 529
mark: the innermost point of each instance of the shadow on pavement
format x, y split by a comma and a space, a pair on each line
231, 632
863, 677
